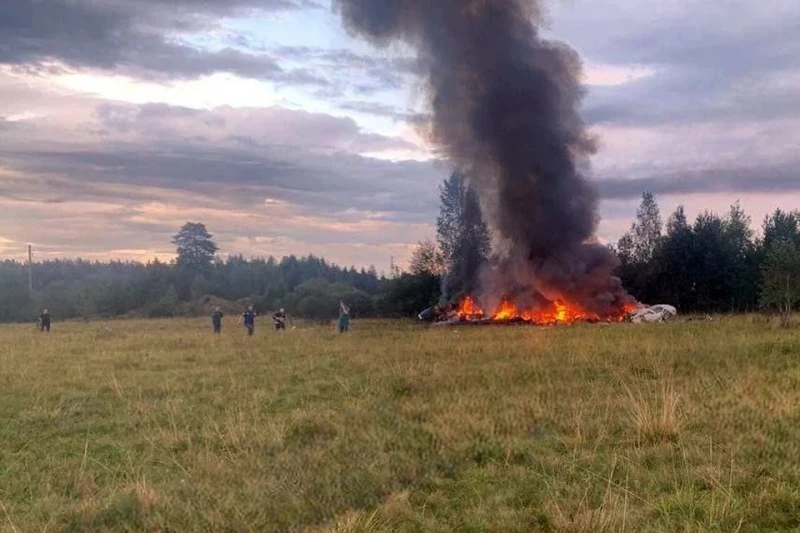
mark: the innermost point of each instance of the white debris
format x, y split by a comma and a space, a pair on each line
655, 313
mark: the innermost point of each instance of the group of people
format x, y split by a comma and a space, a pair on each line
248, 319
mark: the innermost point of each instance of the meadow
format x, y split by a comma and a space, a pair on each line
159, 426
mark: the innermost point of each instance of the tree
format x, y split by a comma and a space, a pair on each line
678, 222
781, 226
195, 247
462, 234
637, 247
200, 287
642, 239
168, 306
674, 281
709, 263
625, 249
319, 299
743, 263
427, 259
408, 295
781, 284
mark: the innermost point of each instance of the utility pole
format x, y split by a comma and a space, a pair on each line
30, 270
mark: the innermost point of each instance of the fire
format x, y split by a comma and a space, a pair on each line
506, 311
469, 309
562, 312
558, 313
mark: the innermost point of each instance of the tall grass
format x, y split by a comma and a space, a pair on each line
160, 426
655, 416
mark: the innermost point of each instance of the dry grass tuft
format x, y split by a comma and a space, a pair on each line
656, 416
582, 518
116, 388
145, 494
359, 522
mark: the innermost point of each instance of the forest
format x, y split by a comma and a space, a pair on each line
717, 263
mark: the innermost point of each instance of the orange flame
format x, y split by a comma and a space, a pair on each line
469, 309
559, 313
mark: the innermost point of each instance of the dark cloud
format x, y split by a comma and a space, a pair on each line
135, 37
148, 39
684, 97
243, 157
706, 44
721, 61
114, 179
767, 179
722, 72
225, 7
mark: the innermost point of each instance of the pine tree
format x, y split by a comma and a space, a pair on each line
462, 234
195, 247
646, 230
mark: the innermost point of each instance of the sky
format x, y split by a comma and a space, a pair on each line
123, 119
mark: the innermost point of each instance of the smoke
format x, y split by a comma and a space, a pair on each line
505, 105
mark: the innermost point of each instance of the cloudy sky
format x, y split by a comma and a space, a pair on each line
122, 119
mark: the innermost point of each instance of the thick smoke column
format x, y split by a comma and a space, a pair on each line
505, 112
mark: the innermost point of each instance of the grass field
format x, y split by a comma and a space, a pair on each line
159, 426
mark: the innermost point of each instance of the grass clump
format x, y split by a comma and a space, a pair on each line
396, 427
655, 416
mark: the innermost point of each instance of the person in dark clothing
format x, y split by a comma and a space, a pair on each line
216, 320
44, 321
280, 319
249, 320
344, 318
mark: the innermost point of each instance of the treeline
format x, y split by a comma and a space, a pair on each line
198, 279
307, 286
714, 264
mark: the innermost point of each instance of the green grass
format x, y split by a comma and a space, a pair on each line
160, 426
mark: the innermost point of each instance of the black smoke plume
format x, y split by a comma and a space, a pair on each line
505, 112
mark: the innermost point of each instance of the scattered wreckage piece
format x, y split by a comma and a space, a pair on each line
653, 314
431, 314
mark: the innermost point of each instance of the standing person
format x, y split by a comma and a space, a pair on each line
44, 321
216, 320
249, 319
344, 318
280, 319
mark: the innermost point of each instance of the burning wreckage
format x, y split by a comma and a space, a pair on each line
504, 106
468, 312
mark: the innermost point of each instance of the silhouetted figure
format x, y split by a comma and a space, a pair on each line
344, 318
44, 321
216, 320
249, 319
280, 319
